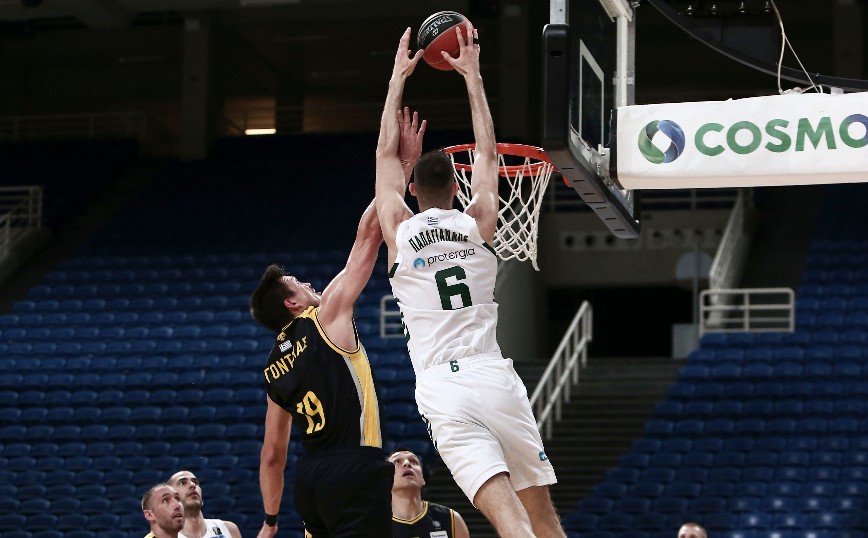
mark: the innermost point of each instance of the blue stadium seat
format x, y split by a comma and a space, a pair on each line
755, 520
226, 411
708, 505
658, 428
33, 506
779, 504
698, 409
725, 474
595, 505
612, 490
662, 475
615, 522
672, 444
241, 431
632, 505
686, 490
724, 489
697, 458
646, 489
624, 475
688, 427
720, 427
214, 447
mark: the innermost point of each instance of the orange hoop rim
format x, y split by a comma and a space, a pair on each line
504, 148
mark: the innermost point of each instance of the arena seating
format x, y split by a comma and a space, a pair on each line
764, 435
137, 356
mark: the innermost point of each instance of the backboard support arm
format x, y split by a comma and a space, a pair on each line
584, 168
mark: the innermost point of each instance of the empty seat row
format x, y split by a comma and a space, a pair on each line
762, 408
709, 388
251, 361
851, 443
95, 319
141, 346
854, 276
210, 265
718, 461
71, 340
849, 366
823, 520
102, 289
138, 304
757, 426
844, 344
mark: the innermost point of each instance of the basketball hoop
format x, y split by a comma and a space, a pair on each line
526, 170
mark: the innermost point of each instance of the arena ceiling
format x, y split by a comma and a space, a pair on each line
322, 46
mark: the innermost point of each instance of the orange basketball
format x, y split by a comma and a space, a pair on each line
437, 34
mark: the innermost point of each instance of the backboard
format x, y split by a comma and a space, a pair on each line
588, 72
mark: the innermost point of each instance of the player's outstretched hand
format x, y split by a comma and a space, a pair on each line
467, 62
412, 133
404, 62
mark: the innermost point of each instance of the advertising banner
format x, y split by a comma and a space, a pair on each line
793, 139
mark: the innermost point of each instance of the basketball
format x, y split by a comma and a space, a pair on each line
437, 34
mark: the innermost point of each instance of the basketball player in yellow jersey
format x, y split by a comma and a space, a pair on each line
442, 271
318, 375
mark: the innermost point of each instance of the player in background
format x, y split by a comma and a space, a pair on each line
195, 524
161, 506
411, 516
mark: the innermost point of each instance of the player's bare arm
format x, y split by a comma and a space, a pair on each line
336, 307
461, 530
234, 531
391, 179
483, 182
272, 462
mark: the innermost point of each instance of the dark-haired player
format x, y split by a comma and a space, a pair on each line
411, 516
195, 524
161, 506
443, 272
318, 376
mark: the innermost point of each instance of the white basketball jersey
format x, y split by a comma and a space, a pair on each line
216, 528
443, 279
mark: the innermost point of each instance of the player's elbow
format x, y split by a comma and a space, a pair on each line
485, 153
272, 458
386, 150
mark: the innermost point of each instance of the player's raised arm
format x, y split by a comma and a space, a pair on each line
391, 175
483, 182
338, 298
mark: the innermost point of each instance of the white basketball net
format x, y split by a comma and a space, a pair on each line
520, 201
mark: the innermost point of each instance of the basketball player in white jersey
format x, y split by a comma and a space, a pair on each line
195, 524
161, 506
442, 270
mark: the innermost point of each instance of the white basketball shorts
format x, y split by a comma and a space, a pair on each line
482, 424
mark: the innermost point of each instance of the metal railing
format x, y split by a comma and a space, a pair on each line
741, 310
732, 251
74, 126
391, 325
562, 373
20, 212
358, 116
